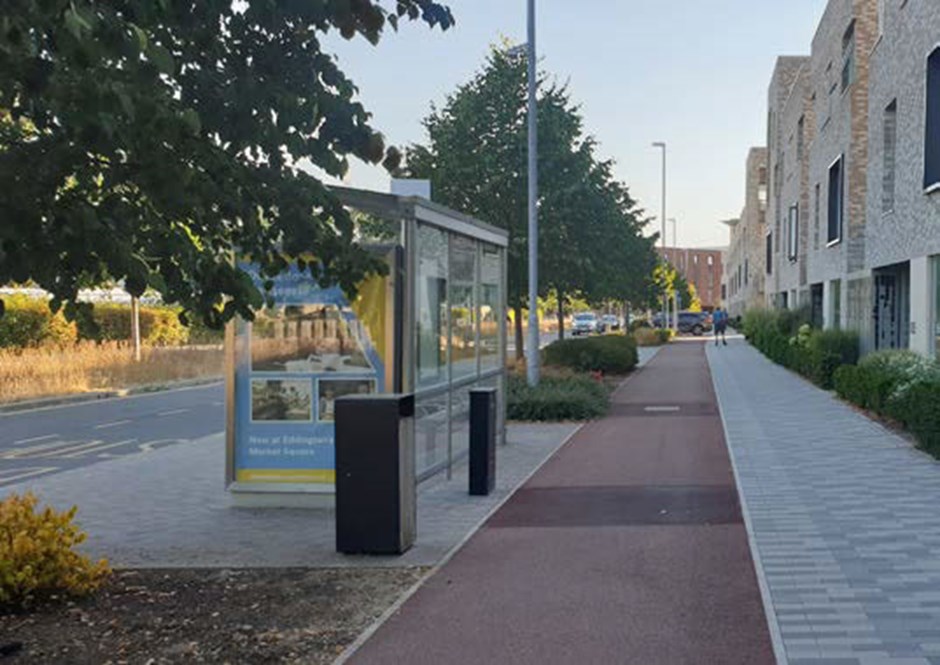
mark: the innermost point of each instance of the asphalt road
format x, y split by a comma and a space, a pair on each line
45, 441
49, 440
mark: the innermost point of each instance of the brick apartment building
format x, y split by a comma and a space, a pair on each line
701, 267
853, 167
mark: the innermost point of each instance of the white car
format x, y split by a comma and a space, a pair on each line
585, 323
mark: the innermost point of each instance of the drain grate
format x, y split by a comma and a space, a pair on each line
619, 506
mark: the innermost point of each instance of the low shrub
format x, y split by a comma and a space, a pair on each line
28, 322
37, 553
786, 338
159, 326
610, 354
900, 385
652, 337
824, 352
556, 398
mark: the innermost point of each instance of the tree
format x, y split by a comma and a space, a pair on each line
151, 141
589, 229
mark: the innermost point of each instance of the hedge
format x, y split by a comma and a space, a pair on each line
28, 322
556, 398
785, 337
900, 385
610, 354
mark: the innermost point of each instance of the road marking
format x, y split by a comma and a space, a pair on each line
78, 449
662, 409
28, 472
217, 403
173, 412
97, 449
35, 438
116, 423
17, 453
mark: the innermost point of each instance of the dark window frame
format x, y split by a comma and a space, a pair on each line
835, 203
932, 123
793, 233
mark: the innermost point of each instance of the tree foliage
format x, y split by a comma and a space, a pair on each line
151, 140
590, 229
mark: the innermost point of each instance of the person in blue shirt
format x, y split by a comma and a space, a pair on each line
720, 322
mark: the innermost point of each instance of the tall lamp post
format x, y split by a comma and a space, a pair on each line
661, 144
675, 256
532, 358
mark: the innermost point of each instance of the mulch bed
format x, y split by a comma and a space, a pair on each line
206, 616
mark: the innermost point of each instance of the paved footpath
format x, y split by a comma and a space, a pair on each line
626, 547
845, 516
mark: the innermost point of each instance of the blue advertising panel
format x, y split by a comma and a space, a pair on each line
310, 347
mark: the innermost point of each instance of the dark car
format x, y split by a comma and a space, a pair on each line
695, 323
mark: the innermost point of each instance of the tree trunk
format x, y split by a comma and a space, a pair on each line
520, 349
561, 316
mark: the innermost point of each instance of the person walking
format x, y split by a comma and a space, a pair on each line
720, 321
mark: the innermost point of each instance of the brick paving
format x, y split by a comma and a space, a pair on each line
169, 509
843, 516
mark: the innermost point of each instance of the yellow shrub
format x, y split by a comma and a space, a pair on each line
37, 552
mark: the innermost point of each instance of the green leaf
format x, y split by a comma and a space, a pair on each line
141, 36
161, 58
191, 119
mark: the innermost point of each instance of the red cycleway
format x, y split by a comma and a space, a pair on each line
627, 546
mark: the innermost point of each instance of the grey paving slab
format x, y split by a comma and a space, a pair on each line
168, 508
842, 515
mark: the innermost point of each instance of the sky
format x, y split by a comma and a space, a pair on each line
692, 73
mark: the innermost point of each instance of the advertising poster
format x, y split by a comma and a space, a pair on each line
292, 362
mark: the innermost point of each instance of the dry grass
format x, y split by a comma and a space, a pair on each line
87, 366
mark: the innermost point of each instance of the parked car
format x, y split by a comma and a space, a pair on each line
695, 323
585, 323
611, 322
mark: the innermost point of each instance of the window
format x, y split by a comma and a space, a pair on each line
770, 253
890, 128
431, 296
800, 137
710, 260
834, 234
793, 226
745, 271
932, 133
936, 307
816, 218
848, 57
695, 259
835, 307
463, 306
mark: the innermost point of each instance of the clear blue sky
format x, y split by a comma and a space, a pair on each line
693, 73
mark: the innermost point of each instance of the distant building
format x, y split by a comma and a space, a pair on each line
744, 273
701, 267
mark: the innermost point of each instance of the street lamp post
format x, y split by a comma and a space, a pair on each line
675, 256
532, 358
661, 144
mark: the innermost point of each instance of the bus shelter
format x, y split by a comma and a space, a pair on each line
434, 325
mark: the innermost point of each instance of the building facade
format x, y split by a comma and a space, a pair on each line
853, 164
744, 267
702, 268
903, 227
